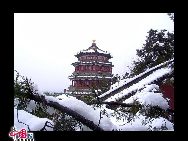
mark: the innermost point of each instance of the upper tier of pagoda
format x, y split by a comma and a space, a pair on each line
94, 50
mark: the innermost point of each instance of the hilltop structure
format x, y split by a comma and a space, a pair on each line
91, 69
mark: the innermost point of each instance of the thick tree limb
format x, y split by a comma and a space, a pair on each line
70, 112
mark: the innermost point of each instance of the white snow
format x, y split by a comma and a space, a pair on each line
83, 109
51, 110
123, 82
134, 126
34, 123
108, 122
158, 122
91, 62
143, 123
147, 96
156, 74
92, 50
31, 106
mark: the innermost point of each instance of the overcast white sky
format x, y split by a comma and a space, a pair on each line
45, 43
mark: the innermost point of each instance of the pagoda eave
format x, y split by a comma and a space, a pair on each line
93, 53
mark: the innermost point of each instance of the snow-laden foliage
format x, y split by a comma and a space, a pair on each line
23, 119
149, 96
35, 116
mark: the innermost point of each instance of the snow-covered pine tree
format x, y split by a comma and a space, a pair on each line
159, 47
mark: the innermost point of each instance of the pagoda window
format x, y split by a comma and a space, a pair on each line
104, 68
86, 68
90, 68
99, 58
81, 67
94, 67
98, 68
108, 69
87, 82
101, 69
89, 58
80, 83
77, 84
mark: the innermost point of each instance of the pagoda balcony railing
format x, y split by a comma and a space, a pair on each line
92, 73
91, 62
72, 88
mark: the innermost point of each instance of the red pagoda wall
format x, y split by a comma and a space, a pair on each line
168, 92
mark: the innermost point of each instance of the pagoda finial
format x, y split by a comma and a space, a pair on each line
93, 41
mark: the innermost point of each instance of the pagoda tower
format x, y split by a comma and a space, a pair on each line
91, 69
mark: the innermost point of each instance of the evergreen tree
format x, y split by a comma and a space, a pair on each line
159, 47
171, 15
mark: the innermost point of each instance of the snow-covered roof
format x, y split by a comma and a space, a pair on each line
92, 62
94, 49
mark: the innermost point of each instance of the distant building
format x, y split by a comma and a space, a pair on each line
91, 69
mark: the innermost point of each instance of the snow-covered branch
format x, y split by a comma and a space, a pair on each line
67, 110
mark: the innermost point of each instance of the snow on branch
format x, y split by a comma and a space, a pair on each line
129, 84
78, 110
23, 119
